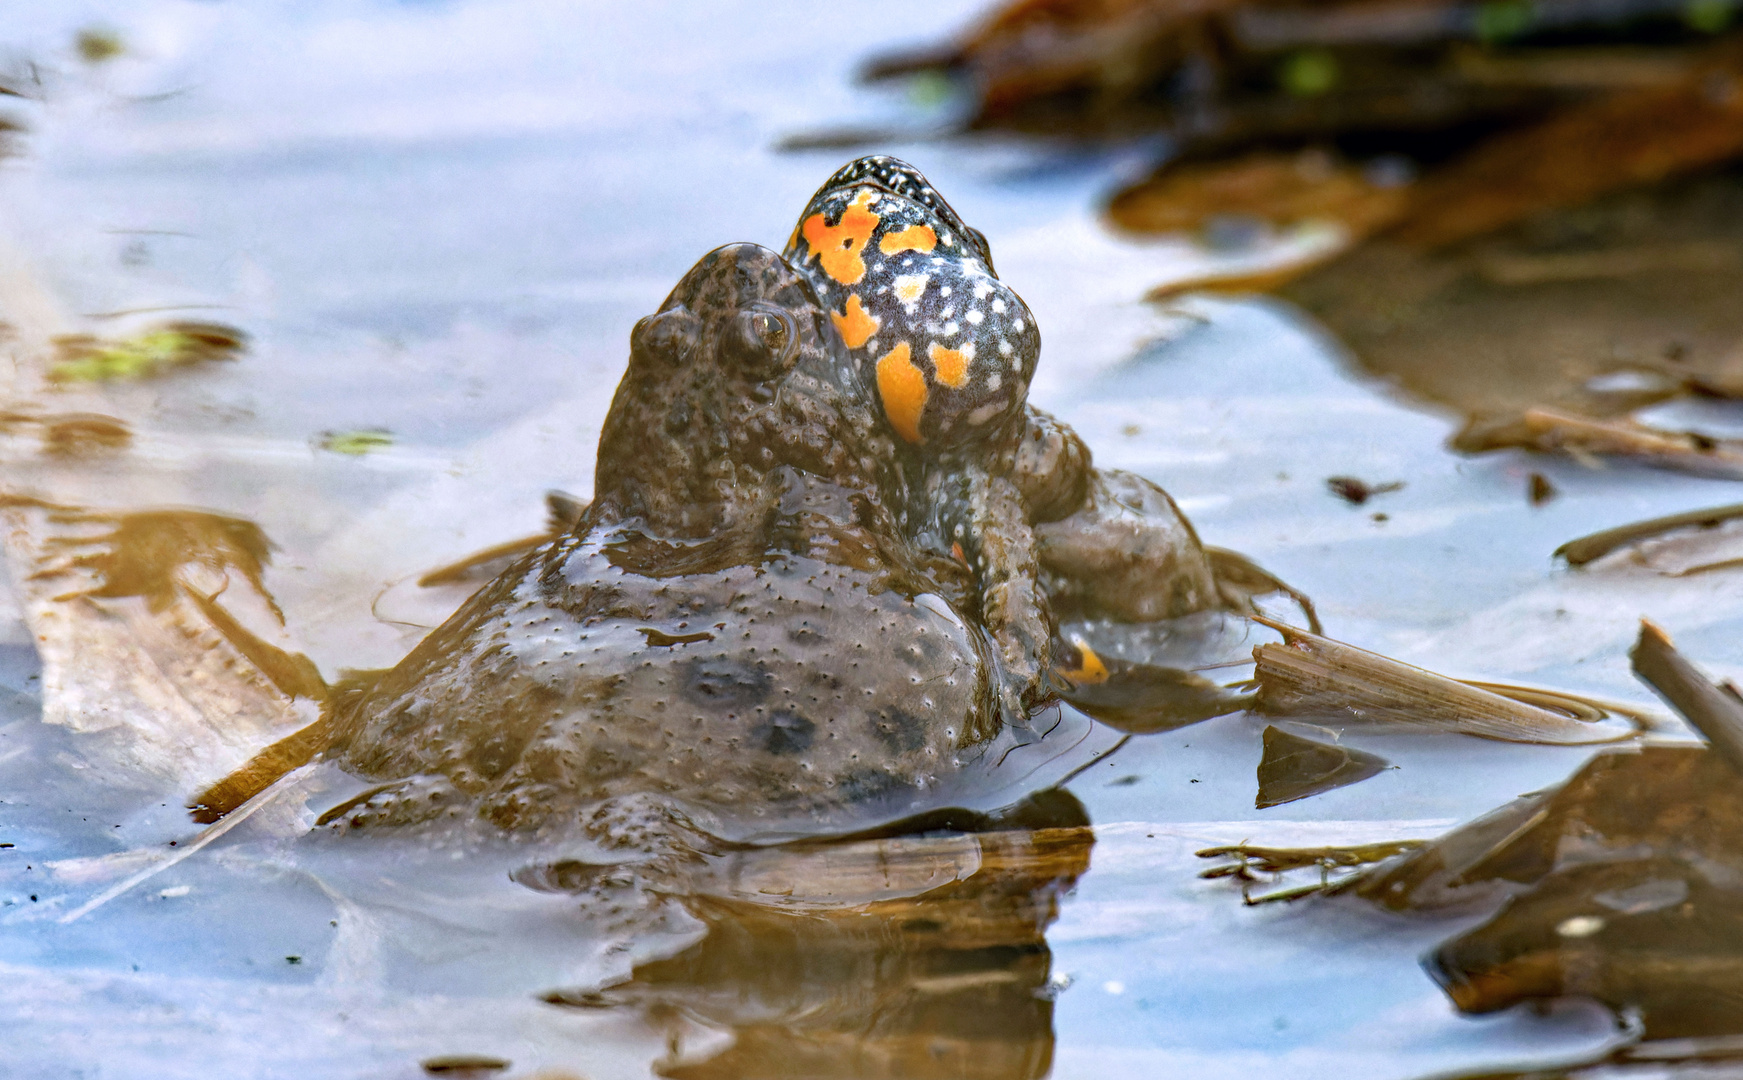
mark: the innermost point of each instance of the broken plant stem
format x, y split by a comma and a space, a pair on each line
1714, 711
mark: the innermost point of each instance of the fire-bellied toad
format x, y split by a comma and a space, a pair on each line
949, 350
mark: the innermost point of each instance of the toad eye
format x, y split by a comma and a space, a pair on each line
765, 340
771, 330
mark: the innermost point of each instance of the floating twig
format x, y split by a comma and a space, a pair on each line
1582, 437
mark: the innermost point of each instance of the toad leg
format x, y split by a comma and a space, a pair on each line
993, 531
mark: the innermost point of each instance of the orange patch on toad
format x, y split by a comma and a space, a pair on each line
855, 323
1089, 668
951, 365
838, 246
912, 238
903, 388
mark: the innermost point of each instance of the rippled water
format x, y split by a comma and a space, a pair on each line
440, 220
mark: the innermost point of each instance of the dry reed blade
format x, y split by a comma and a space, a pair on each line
1309, 675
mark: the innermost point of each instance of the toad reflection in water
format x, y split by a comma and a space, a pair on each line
1003, 487
817, 970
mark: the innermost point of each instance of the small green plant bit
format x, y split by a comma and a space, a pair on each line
97, 44
83, 358
354, 443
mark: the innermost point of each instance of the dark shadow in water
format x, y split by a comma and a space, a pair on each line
1295, 767
953, 981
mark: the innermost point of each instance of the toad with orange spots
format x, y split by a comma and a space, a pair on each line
947, 350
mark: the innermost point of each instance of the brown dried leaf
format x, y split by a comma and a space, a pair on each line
1628, 139
1594, 311
1284, 189
1309, 675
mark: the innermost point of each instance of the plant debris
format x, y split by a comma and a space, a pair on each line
84, 358
354, 443
463, 1064
99, 44
1312, 676
1715, 711
1584, 315
1585, 549
83, 434
1523, 192
1247, 862
1586, 439
1619, 885
1356, 492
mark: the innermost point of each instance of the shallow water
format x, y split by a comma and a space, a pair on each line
441, 220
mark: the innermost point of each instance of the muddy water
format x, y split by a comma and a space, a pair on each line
437, 223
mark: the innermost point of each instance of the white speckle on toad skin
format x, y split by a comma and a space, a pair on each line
998, 304
974, 317
1004, 347
909, 288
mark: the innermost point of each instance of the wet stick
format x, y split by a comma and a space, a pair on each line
1585, 549
262, 771
1714, 711
1552, 430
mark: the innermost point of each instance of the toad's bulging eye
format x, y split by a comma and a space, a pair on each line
764, 340
771, 330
